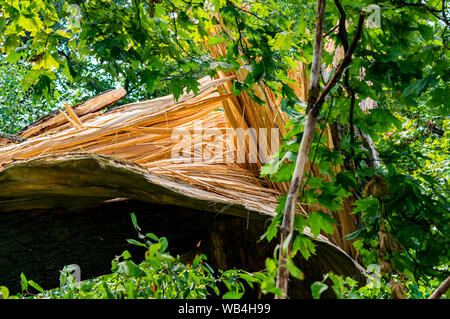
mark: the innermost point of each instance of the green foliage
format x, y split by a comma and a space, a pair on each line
21, 105
142, 46
347, 288
405, 65
17, 106
158, 276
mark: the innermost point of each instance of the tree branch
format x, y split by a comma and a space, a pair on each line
256, 16
441, 289
344, 39
342, 30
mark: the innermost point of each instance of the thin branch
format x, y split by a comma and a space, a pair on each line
176, 36
441, 289
85, 10
139, 20
256, 16
241, 41
342, 30
344, 39
331, 30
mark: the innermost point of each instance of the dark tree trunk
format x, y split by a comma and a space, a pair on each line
41, 243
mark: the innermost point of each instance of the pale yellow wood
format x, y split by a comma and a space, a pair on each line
72, 115
71, 121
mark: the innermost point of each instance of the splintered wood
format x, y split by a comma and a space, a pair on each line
214, 141
188, 140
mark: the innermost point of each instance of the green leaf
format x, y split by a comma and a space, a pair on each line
153, 249
129, 268
272, 230
382, 119
285, 173
284, 41
11, 42
126, 255
68, 71
338, 285
270, 168
215, 40
131, 289
159, 11
134, 221
152, 236
4, 292
271, 265
354, 235
51, 60
233, 295
135, 242
321, 221
27, 24
35, 286
294, 270
86, 286
300, 222
368, 206
317, 288
198, 259
23, 282
164, 243
196, 279
346, 179
304, 245
419, 86
249, 278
